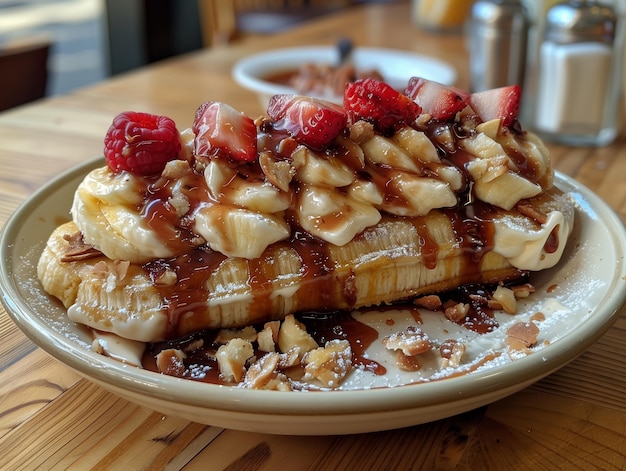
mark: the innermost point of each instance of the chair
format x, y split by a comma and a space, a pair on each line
223, 21
23, 72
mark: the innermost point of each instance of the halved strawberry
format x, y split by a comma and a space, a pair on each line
220, 128
312, 122
440, 101
375, 101
503, 103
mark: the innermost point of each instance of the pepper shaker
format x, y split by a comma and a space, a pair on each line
498, 36
579, 75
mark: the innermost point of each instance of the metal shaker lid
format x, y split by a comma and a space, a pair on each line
499, 14
580, 20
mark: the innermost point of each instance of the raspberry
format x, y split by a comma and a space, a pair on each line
141, 143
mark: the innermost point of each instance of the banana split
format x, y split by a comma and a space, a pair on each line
225, 239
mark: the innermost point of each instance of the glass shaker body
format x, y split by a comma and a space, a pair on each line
579, 75
498, 37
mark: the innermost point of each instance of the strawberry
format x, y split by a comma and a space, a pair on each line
440, 101
312, 122
503, 103
221, 129
141, 143
375, 101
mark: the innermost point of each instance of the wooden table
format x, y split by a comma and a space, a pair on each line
51, 418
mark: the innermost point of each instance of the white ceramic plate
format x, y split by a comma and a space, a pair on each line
396, 67
581, 298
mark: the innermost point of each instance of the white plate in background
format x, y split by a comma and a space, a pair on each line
396, 67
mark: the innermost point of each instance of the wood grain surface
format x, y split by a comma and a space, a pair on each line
51, 418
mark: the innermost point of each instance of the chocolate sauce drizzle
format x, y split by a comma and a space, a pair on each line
471, 222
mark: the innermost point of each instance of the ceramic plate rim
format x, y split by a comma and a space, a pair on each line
225, 398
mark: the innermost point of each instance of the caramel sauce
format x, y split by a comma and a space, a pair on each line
552, 242
201, 364
316, 265
428, 246
417, 317
189, 293
474, 230
525, 167
259, 283
471, 223
161, 214
324, 327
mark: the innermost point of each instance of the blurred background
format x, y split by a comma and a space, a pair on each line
92, 39
76, 30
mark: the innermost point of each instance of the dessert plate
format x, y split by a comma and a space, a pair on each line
579, 298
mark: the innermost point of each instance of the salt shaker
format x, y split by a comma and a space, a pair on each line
579, 75
498, 36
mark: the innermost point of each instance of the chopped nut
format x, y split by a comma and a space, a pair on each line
491, 128
180, 203
265, 372
506, 298
456, 312
166, 278
523, 291
171, 362
267, 338
407, 362
120, 269
176, 169
522, 335
451, 352
431, 302
292, 334
287, 146
225, 335
232, 358
479, 299
100, 269
329, 364
112, 274
361, 131
496, 167
411, 341
495, 305
538, 317
278, 173
77, 249
261, 371
288, 359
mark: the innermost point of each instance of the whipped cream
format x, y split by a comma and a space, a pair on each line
526, 247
